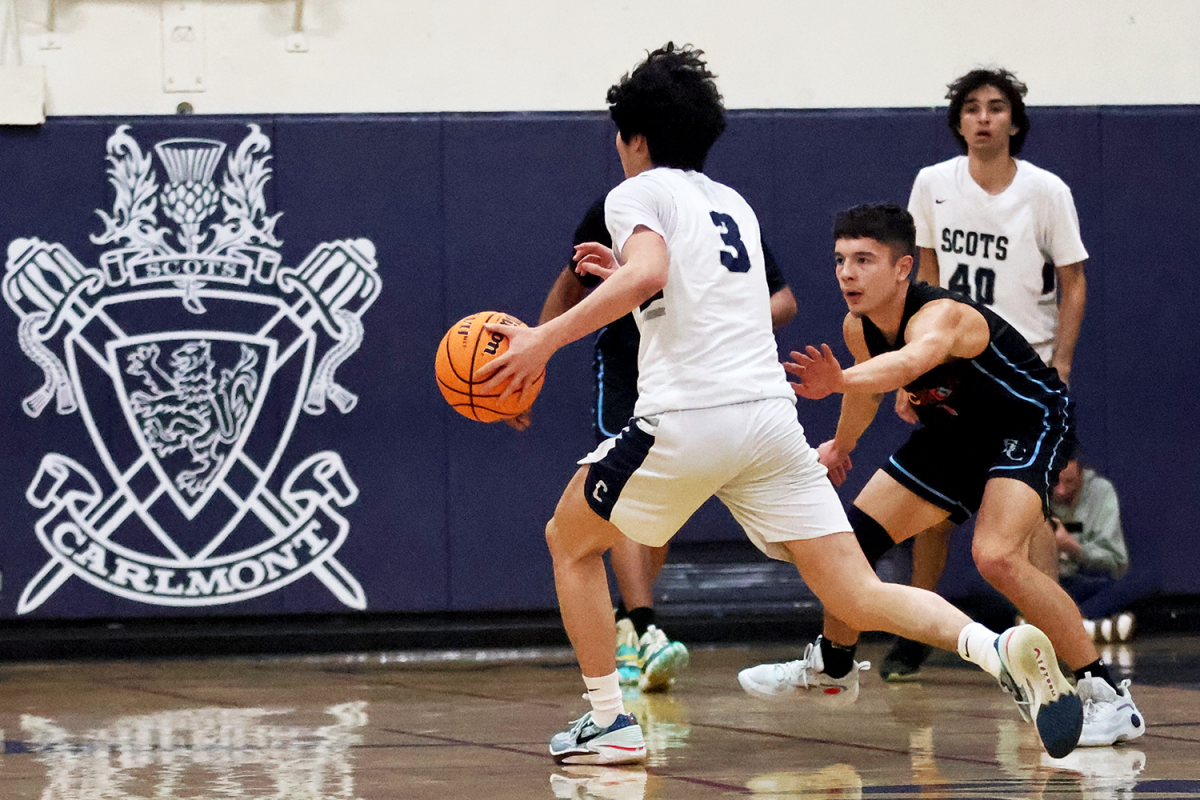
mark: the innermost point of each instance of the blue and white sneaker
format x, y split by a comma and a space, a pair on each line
661, 660
586, 743
1030, 672
1109, 715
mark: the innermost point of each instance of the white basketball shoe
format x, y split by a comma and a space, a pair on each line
1109, 715
806, 677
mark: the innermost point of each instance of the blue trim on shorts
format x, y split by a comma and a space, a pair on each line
1045, 418
1046, 425
928, 488
600, 397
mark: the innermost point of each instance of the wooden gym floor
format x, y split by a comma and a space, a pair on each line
380, 726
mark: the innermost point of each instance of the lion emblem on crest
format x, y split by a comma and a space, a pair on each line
189, 408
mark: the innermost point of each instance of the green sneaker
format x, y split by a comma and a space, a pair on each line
660, 659
628, 671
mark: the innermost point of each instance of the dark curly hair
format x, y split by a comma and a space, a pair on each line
1008, 84
670, 98
886, 223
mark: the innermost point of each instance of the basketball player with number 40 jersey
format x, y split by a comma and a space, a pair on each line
999, 230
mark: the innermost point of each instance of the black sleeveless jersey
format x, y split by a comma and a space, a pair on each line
1004, 388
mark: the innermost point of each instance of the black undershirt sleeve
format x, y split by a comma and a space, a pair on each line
775, 279
591, 229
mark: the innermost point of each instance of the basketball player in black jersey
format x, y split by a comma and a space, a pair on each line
995, 430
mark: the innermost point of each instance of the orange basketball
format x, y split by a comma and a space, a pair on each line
464, 349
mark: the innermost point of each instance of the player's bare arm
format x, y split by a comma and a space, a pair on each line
1071, 303
566, 293
927, 272
783, 308
940, 331
857, 414
643, 275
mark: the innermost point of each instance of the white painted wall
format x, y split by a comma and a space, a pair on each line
493, 55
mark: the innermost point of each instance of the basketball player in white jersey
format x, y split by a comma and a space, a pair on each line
646, 656
715, 415
1004, 233
998, 229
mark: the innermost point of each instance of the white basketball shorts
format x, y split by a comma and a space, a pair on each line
649, 479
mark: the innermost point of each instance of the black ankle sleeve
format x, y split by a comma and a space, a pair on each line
641, 618
838, 659
1098, 669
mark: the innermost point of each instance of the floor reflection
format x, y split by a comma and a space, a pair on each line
663, 717
601, 783
225, 753
474, 729
834, 781
1102, 772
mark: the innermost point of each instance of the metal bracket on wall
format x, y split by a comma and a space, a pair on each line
296, 41
51, 39
183, 45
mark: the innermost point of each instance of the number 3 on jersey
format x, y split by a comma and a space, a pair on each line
738, 260
985, 284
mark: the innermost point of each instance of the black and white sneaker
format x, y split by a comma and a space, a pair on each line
586, 743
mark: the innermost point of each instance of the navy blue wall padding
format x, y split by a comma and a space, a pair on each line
470, 212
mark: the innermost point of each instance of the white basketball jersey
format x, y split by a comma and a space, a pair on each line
707, 341
1000, 250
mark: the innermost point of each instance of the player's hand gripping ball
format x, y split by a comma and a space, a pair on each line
464, 349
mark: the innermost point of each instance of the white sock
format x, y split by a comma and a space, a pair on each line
977, 644
605, 695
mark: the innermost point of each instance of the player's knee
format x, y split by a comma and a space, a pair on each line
872, 537
997, 565
551, 532
555, 539
569, 540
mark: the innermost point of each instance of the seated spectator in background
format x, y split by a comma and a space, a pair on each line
1092, 556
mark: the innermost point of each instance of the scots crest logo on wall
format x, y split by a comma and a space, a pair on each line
190, 353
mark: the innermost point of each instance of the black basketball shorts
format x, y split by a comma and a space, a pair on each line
949, 465
616, 392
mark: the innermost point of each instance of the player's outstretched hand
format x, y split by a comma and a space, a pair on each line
819, 372
904, 408
518, 366
593, 258
834, 460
